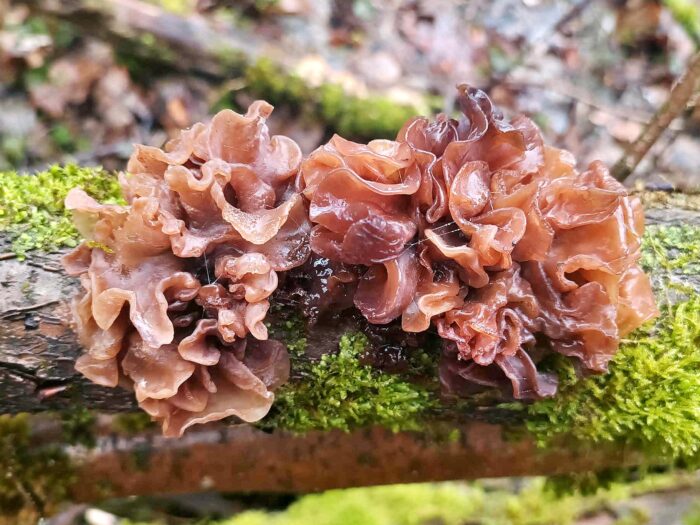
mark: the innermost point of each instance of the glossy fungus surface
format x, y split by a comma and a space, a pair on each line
177, 284
477, 228
472, 228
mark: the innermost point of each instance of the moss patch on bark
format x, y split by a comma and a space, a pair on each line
32, 212
339, 392
650, 399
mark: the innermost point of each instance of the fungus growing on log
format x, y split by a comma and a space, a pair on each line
177, 283
472, 227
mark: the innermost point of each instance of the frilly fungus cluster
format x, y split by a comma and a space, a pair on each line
177, 281
473, 227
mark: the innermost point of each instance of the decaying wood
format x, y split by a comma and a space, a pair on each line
195, 43
37, 351
37, 348
242, 459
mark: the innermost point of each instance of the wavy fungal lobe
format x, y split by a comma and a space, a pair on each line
471, 228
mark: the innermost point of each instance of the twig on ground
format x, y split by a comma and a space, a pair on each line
566, 89
677, 101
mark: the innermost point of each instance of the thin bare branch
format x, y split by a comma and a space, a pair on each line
677, 101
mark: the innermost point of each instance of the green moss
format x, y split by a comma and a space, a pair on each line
35, 477
447, 504
352, 117
62, 137
179, 7
266, 80
370, 118
674, 247
653, 384
635, 516
78, 426
289, 330
132, 423
687, 13
32, 213
669, 252
339, 392
650, 399
692, 517
231, 60
13, 150
454, 503
590, 483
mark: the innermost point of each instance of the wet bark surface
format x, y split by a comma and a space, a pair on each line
38, 348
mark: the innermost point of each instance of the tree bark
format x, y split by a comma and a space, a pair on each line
245, 459
38, 348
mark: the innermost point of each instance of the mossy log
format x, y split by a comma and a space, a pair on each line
191, 43
387, 430
38, 348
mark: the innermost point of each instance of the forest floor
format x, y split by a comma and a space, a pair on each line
660, 499
590, 73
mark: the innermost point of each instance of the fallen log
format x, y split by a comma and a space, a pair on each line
453, 441
245, 459
191, 43
38, 348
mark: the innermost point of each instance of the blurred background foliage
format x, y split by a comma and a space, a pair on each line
83, 80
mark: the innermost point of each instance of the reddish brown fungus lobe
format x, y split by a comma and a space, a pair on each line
174, 306
479, 229
471, 227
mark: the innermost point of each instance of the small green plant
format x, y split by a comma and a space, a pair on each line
687, 13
